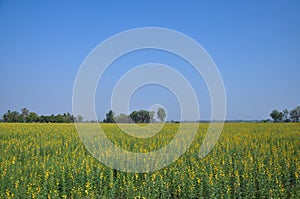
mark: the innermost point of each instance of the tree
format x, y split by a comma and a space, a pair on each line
286, 115
13, 116
295, 114
123, 118
79, 118
134, 116
42, 119
26, 116
276, 116
144, 116
161, 114
32, 117
141, 116
6, 116
25, 112
151, 115
67, 118
110, 117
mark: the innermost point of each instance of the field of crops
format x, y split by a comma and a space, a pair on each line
250, 160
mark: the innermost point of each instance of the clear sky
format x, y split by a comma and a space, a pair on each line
255, 44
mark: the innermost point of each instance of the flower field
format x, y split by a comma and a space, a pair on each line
250, 160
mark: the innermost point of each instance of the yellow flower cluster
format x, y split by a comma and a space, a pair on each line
250, 160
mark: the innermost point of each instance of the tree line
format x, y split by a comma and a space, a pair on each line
141, 116
285, 115
28, 116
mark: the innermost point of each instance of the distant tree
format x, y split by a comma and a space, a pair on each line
285, 113
144, 116
19, 117
5, 116
123, 118
71, 118
295, 114
141, 116
110, 117
79, 118
68, 118
32, 117
151, 115
161, 114
12, 116
51, 118
276, 116
41, 119
135, 116
25, 113
59, 119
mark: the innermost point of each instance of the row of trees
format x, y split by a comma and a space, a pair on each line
27, 116
286, 116
141, 116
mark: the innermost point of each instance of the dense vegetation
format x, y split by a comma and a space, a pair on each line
27, 116
141, 116
250, 160
285, 115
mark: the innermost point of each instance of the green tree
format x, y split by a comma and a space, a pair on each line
68, 118
79, 118
32, 117
12, 116
134, 116
161, 114
295, 114
276, 116
151, 115
25, 113
123, 118
144, 116
285, 113
141, 116
110, 117
6, 116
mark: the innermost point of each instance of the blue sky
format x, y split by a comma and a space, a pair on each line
255, 44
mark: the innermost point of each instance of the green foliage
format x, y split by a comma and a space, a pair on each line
79, 118
141, 116
276, 116
161, 114
26, 116
123, 118
13, 116
295, 114
24, 112
110, 117
32, 117
285, 115
250, 160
